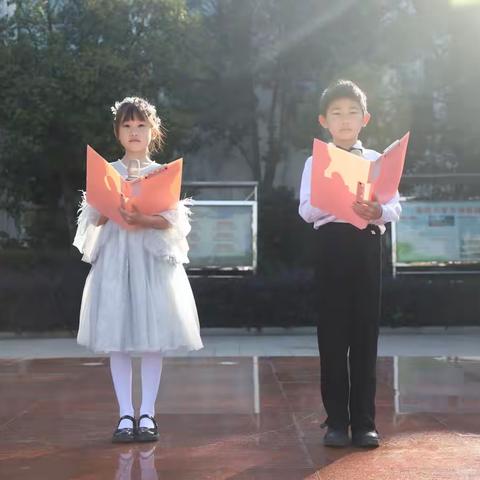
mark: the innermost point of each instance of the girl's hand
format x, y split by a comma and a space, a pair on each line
102, 221
368, 210
134, 217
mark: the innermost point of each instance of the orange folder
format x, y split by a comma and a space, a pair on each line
153, 193
391, 165
340, 177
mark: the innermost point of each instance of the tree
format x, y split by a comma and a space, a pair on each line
63, 65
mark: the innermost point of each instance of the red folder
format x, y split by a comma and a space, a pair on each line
391, 164
339, 177
153, 193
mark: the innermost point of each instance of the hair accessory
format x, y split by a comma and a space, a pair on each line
140, 103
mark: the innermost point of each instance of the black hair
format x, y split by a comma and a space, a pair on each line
342, 89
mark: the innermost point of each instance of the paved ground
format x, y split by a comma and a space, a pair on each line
237, 418
272, 342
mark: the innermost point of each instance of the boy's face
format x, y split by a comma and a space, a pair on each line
344, 119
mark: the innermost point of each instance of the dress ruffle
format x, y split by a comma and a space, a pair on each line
170, 244
88, 238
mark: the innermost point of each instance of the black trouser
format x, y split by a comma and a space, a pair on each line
348, 282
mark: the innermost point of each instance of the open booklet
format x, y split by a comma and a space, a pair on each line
153, 193
339, 178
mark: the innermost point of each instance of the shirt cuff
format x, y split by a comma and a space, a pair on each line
380, 220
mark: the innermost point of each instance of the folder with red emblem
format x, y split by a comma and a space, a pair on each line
339, 177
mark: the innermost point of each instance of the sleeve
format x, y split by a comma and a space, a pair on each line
179, 218
87, 236
391, 211
309, 213
171, 244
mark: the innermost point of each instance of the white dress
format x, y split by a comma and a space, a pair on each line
137, 297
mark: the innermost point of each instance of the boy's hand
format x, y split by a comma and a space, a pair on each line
368, 210
135, 217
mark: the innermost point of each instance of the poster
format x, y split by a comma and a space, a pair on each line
438, 232
223, 235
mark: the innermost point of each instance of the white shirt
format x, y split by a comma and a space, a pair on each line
390, 211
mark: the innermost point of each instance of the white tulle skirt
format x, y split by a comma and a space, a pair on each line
137, 296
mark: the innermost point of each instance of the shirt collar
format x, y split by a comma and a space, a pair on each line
356, 146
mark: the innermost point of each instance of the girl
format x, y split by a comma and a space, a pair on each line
137, 298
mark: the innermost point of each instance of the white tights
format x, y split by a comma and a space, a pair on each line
121, 369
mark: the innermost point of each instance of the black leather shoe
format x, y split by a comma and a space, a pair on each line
146, 434
125, 435
366, 439
336, 438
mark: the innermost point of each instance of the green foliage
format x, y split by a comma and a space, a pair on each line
63, 65
247, 74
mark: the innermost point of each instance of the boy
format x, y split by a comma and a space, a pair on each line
348, 282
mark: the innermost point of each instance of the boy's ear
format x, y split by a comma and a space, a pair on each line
366, 119
322, 121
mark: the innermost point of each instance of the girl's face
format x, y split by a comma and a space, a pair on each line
344, 119
135, 136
